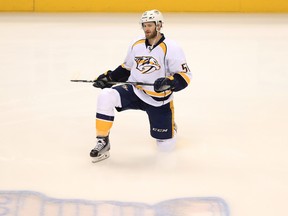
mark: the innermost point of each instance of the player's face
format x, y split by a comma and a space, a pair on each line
149, 29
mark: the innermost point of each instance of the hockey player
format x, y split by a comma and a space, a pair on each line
150, 59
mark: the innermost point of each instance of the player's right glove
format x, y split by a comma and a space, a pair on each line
103, 80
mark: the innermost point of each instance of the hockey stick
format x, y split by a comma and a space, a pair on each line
113, 83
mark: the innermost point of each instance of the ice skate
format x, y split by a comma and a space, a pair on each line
101, 150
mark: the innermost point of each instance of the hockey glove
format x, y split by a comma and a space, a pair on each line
103, 81
164, 84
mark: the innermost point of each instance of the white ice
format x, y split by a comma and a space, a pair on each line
232, 120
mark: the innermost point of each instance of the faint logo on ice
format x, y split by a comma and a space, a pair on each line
18, 203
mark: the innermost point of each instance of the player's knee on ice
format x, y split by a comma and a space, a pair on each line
166, 145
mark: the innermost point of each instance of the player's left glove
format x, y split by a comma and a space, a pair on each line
164, 84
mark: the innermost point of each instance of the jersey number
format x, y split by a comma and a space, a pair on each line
185, 67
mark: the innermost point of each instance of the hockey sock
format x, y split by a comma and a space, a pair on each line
103, 124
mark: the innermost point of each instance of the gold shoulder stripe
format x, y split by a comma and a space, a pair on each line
164, 47
138, 42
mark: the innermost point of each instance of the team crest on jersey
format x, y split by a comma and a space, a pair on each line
147, 64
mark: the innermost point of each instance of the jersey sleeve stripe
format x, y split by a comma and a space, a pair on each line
125, 66
185, 77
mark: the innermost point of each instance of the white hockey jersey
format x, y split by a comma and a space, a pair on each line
146, 65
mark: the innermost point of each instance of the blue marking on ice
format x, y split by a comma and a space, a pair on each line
18, 203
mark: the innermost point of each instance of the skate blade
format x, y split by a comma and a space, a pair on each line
101, 157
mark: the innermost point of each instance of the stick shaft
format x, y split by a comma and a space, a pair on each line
132, 83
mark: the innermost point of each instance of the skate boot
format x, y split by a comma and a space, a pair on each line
101, 150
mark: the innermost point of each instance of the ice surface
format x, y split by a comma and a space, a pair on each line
232, 119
